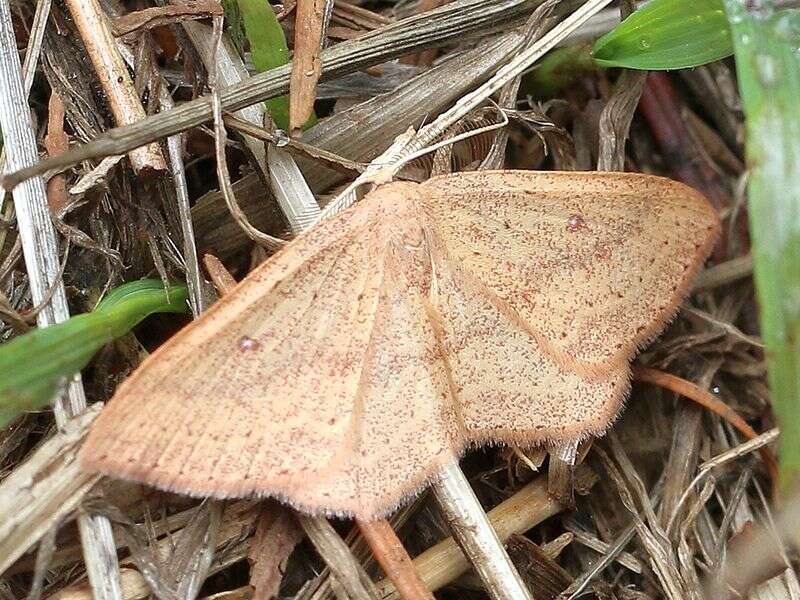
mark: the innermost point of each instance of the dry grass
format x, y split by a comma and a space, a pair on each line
658, 508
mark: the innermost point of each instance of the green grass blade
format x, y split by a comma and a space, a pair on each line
767, 50
667, 34
33, 364
268, 49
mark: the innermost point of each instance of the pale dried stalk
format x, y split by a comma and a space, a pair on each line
36, 36
194, 279
345, 568
40, 248
724, 273
577, 587
590, 541
444, 562
310, 22
390, 162
95, 31
291, 190
455, 21
43, 490
474, 533
299, 209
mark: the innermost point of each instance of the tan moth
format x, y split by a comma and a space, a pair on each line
341, 374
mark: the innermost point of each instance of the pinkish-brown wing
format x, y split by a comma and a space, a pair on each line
256, 395
317, 380
509, 383
592, 263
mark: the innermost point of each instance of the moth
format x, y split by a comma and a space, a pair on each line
345, 371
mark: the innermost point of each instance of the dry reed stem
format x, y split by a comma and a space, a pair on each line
393, 559
708, 401
724, 273
43, 490
474, 533
443, 563
95, 31
336, 554
41, 252
310, 22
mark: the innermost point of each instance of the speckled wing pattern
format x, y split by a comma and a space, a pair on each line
346, 370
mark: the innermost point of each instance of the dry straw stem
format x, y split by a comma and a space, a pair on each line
40, 248
194, 279
95, 31
445, 562
724, 273
44, 490
35, 38
707, 400
336, 554
310, 22
474, 533
414, 145
456, 21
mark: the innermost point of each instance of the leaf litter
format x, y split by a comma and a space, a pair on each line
635, 492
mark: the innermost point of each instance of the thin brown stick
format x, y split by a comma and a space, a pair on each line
95, 31
56, 142
309, 32
393, 559
220, 277
708, 401
457, 20
160, 16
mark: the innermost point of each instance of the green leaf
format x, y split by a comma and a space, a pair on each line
268, 48
33, 364
667, 34
767, 50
